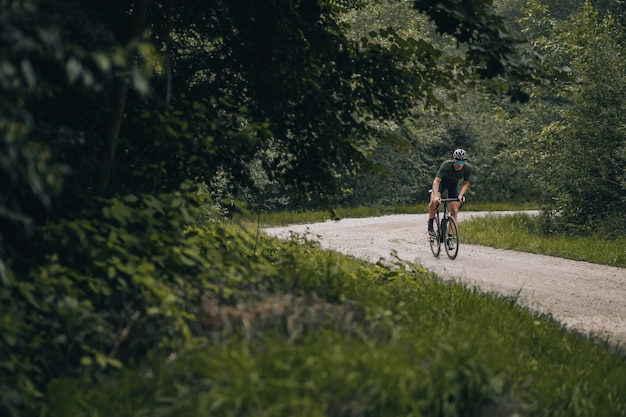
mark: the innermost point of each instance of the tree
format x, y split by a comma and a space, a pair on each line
211, 85
491, 47
93, 105
581, 153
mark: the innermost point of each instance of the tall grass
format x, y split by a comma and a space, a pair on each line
522, 232
284, 328
328, 335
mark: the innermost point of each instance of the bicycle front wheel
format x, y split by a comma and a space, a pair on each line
434, 239
452, 238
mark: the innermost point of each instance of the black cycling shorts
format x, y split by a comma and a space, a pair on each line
453, 189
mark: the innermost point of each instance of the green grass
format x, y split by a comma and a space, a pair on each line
520, 232
285, 328
373, 342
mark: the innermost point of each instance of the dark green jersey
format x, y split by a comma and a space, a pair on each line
448, 174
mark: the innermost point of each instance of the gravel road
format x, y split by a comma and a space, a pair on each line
583, 296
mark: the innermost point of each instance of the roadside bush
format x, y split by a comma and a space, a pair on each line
143, 274
105, 288
88, 283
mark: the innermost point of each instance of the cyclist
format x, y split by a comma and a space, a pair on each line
450, 173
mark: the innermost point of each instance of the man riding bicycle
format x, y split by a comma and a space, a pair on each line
450, 173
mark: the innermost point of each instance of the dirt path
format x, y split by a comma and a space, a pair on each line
587, 297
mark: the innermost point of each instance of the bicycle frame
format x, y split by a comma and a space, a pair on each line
446, 231
446, 215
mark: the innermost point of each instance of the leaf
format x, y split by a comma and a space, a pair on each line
101, 360
74, 69
130, 198
153, 311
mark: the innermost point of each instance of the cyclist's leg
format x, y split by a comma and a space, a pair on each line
453, 192
432, 206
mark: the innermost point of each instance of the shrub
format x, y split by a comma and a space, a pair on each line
104, 288
143, 274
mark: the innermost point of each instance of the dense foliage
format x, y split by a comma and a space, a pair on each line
257, 101
582, 146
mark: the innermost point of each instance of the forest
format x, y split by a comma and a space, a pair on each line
125, 124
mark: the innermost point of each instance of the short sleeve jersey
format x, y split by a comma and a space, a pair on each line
448, 174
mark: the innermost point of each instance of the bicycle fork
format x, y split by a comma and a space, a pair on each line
443, 230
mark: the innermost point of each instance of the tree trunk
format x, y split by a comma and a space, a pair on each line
168, 54
118, 102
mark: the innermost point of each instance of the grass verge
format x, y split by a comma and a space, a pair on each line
320, 334
521, 232
266, 327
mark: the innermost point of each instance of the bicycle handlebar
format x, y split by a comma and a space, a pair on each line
452, 200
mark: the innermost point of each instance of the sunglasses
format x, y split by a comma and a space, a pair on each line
459, 162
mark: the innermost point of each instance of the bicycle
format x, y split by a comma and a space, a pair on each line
441, 225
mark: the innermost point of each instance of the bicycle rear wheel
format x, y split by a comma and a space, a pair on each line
434, 239
451, 238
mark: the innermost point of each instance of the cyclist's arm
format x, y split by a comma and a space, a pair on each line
436, 194
464, 188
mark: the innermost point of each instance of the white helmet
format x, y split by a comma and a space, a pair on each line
460, 155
